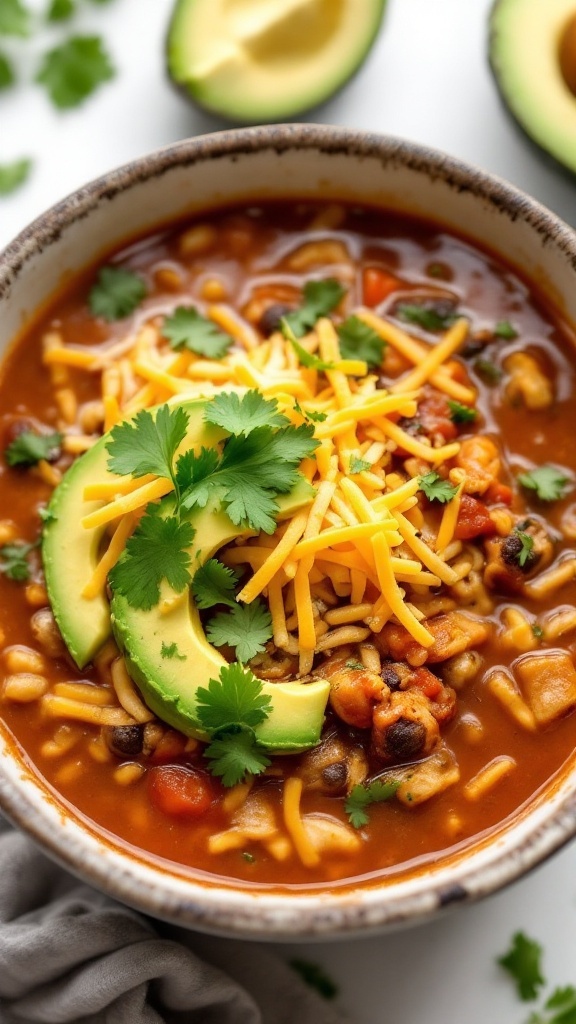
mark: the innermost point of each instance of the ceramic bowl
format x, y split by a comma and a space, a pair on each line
251, 164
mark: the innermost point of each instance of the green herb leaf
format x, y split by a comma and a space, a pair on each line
116, 294
311, 415
13, 175
7, 76
241, 415
72, 71
319, 299
563, 1001
526, 550
316, 977
28, 448
359, 465
548, 482
353, 663
362, 796
523, 963
436, 488
537, 631
235, 699
308, 359
46, 515
14, 560
187, 329
461, 413
14, 18
424, 316
171, 651
61, 10
235, 754
156, 551
505, 330
214, 583
359, 341
147, 444
247, 628
488, 371
248, 857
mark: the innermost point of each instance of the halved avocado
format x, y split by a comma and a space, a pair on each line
267, 60
532, 54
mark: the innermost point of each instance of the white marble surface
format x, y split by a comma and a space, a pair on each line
427, 79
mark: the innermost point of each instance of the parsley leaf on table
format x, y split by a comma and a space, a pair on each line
505, 330
247, 628
147, 444
13, 175
316, 977
116, 293
186, 328
461, 413
523, 963
548, 482
319, 299
241, 415
14, 18
561, 1006
7, 76
171, 651
359, 465
235, 754
156, 551
214, 583
359, 341
362, 796
28, 448
61, 10
436, 488
424, 316
235, 699
72, 71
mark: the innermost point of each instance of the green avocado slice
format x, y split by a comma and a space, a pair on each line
266, 60
532, 47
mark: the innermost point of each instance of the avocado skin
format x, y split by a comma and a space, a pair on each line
521, 124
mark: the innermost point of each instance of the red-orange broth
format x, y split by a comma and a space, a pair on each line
250, 256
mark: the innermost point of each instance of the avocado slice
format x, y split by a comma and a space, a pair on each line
266, 60
532, 54
147, 638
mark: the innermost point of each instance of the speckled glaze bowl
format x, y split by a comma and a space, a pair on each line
283, 161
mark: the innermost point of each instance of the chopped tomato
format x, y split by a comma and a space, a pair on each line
434, 415
499, 494
179, 791
377, 284
425, 681
473, 519
170, 746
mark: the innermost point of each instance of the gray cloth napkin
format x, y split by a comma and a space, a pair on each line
70, 954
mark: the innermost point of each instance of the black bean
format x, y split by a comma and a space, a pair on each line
391, 677
511, 547
335, 776
125, 740
405, 738
271, 317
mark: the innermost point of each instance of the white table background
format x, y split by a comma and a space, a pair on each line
427, 79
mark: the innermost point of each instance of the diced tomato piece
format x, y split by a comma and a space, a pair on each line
473, 519
434, 415
377, 284
425, 681
179, 791
499, 494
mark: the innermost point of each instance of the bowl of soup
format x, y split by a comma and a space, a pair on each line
288, 532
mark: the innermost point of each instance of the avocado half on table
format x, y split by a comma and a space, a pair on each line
168, 685
266, 60
532, 52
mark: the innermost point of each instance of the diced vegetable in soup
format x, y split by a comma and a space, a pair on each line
288, 547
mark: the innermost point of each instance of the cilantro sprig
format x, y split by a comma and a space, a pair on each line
116, 293
430, 317
29, 448
523, 961
73, 70
14, 18
246, 628
436, 488
214, 583
460, 413
14, 560
363, 796
358, 465
547, 481
319, 299
524, 553
229, 709
13, 175
359, 341
186, 328
241, 415
148, 444
156, 551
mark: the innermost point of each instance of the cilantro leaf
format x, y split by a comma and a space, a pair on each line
235, 699
311, 415
523, 963
363, 795
14, 18
61, 10
214, 583
116, 293
241, 415
354, 663
359, 341
316, 977
28, 448
156, 551
7, 76
562, 1000
461, 413
235, 754
504, 329
428, 317
524, 553
537, 631
171, 651
13, 175
436, 488
488, 371
247, 628
72, 71
147, 444
359, 465
548, 482
308, 359
14, 560
319, 299
46, 515
186, 328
